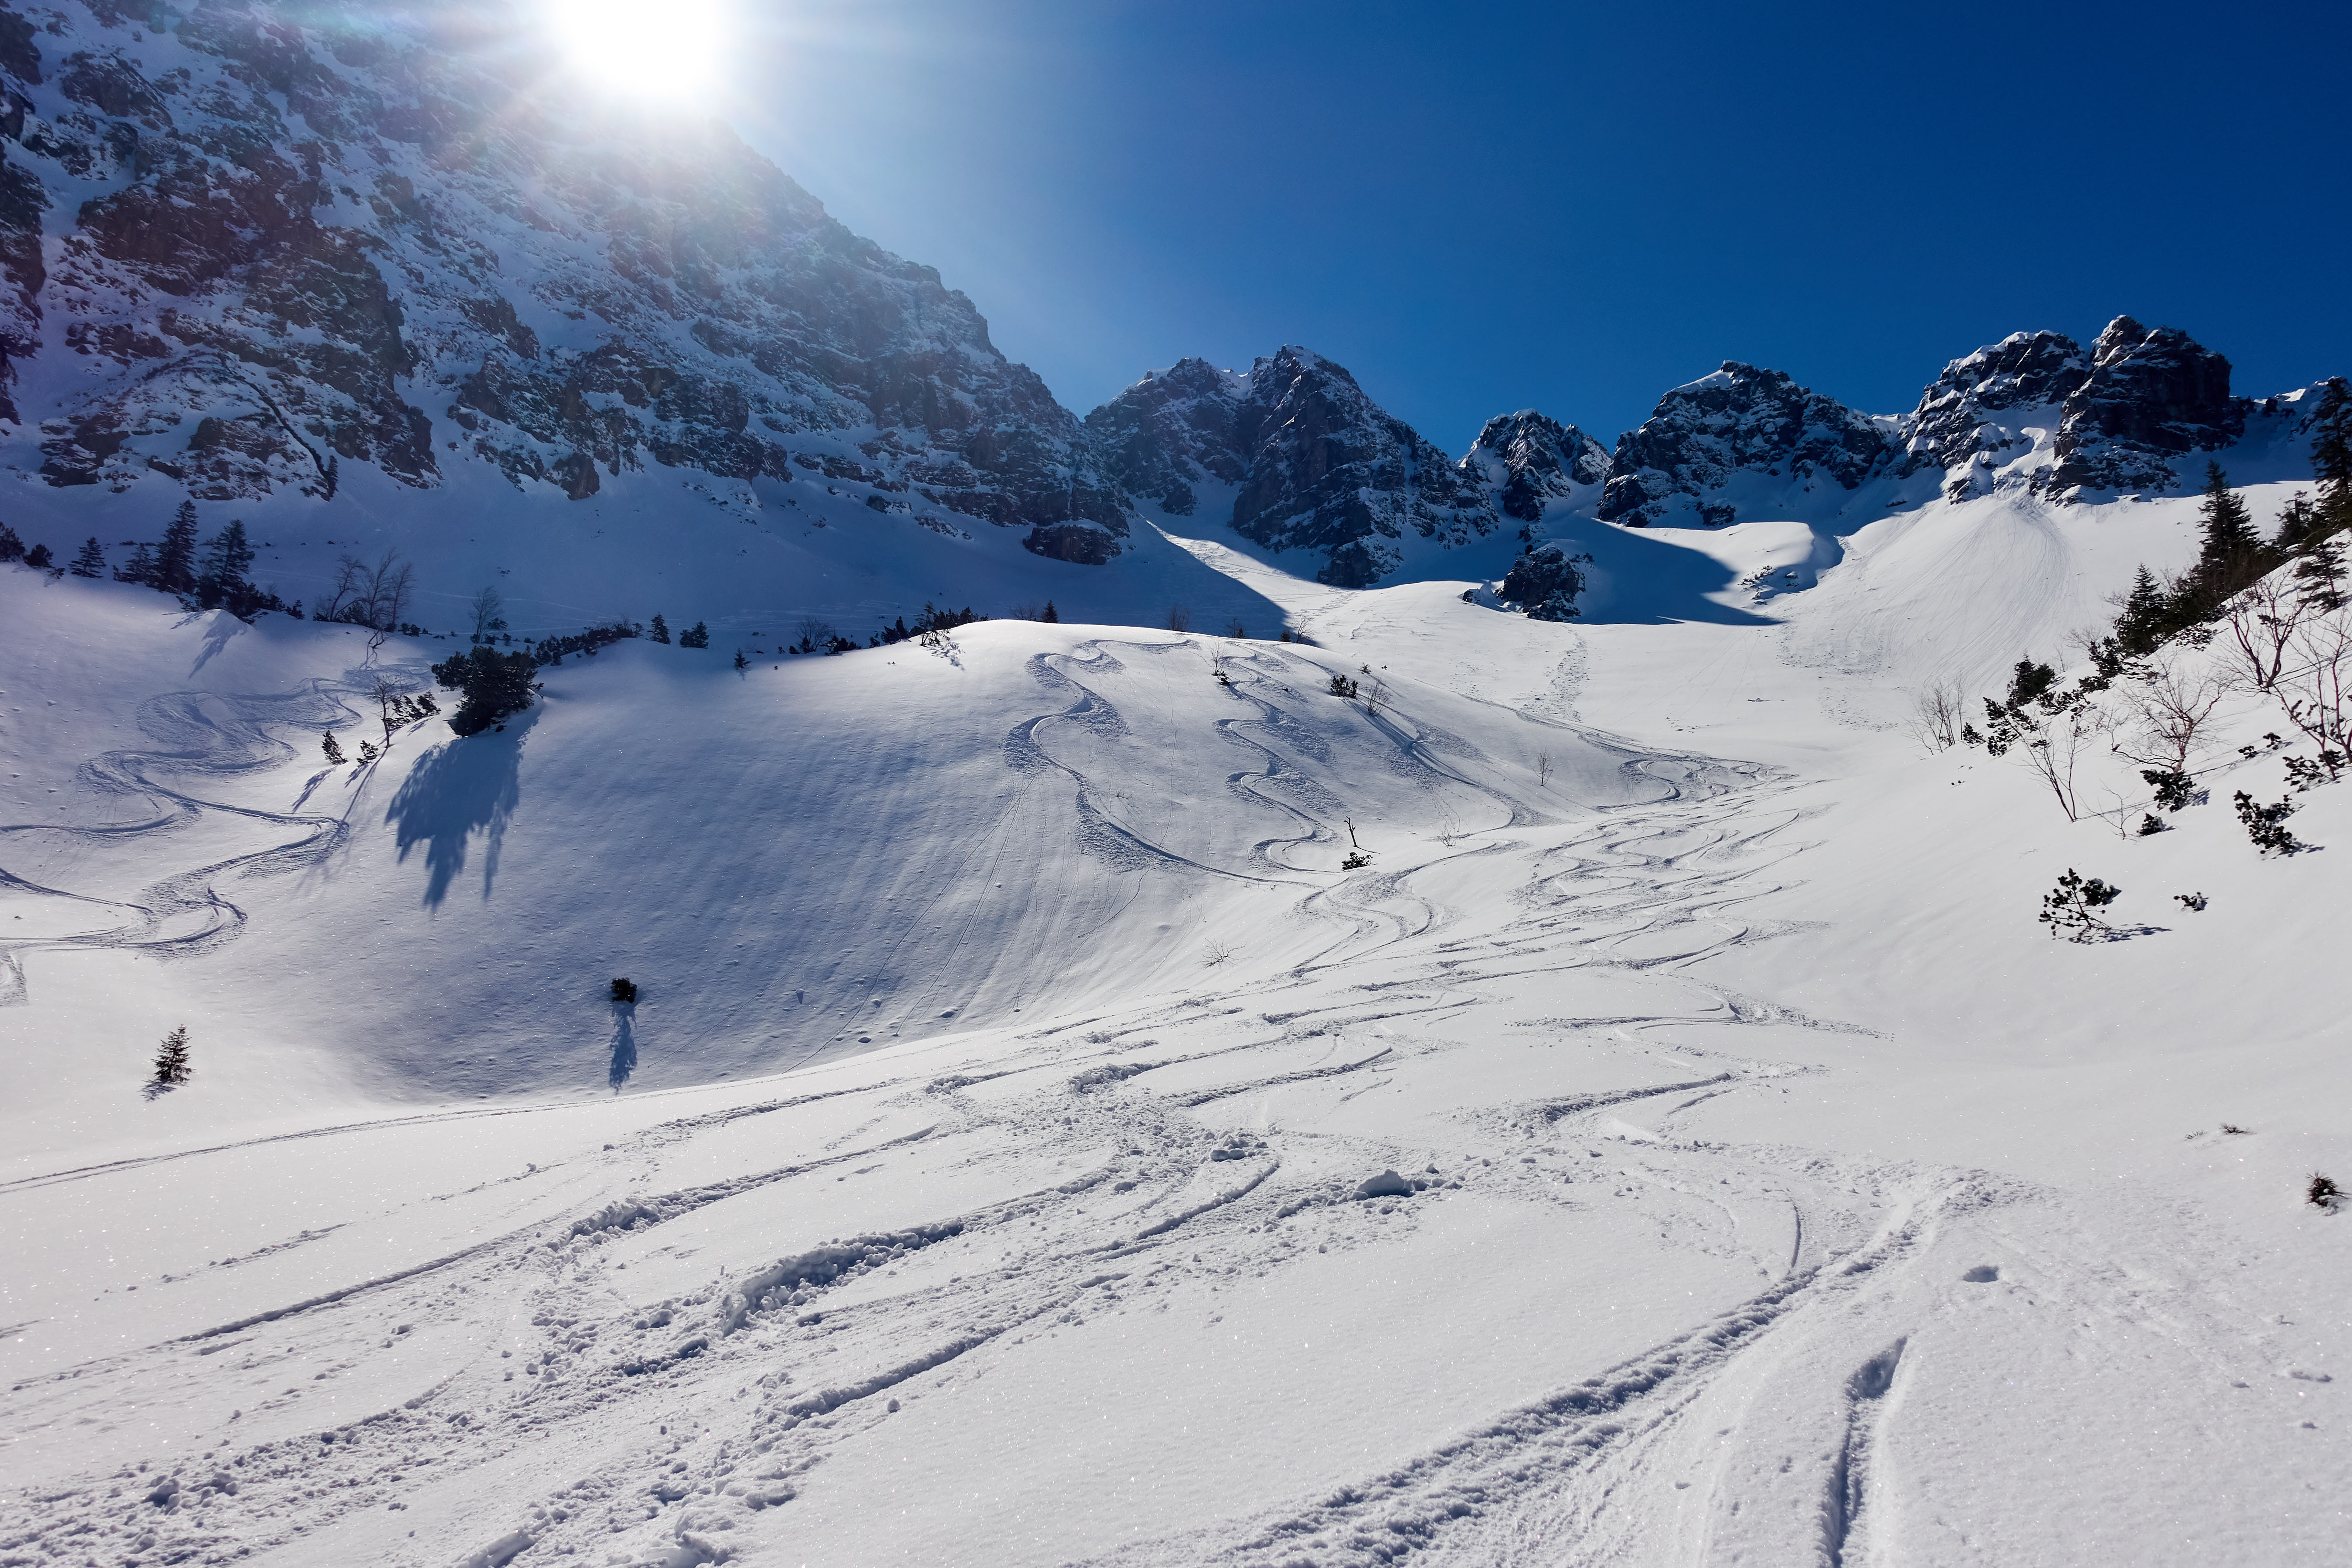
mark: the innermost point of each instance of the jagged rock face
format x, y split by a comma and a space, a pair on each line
1971, 420
1331, 469
1545, 582
1527, 459
316, 237
2151, 396
1739, 420
1319, 465
1171, 431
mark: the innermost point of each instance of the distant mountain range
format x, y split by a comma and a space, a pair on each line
246, 246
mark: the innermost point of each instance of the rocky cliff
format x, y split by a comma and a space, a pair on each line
1314, 463
1981, 413
2151, 397
1529, 460
1740, 421
246, 246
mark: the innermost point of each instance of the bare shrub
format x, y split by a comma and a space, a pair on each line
1180, 619
1937, 711
2311, 687
2261, 624
2168, 711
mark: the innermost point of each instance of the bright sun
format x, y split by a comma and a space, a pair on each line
669, 50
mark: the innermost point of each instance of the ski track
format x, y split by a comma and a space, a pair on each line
199, 736
764, 1357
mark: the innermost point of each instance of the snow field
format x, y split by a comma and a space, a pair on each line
1778, 1191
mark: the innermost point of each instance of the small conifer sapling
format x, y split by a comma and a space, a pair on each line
2266, 825
334, 747
2072, 909
171, 1065
625, 991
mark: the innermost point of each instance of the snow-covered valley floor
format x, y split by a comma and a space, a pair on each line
1679, 1144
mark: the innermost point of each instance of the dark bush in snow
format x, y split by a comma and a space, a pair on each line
2265, 825
2070, 909
496, 686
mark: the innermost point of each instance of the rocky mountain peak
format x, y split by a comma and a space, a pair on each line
1313, 462
2152, 395
1329, 469
1171, 431
285, 241
1974, 418
1742, 419
1526, 459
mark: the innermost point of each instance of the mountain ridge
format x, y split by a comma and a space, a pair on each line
246, 247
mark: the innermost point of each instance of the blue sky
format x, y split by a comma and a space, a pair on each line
1573, 207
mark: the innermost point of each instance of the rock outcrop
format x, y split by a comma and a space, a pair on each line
1976, 417
1317, 464
1741, 420
1331, 470
320, 240
2152, 396
1526, 459
1172, 431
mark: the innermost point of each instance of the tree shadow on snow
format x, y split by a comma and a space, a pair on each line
460, 788
624, 1042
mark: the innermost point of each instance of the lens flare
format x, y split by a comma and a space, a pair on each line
670, 49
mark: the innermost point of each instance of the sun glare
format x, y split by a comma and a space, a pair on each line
669, 49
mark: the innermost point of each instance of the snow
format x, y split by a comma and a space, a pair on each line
1679, 1143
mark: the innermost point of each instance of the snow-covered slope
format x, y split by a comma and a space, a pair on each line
991, 1169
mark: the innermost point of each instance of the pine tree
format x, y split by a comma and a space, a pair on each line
742, 662
2319, 577
11, 547
91, 560
696, 636
227, 557
334, 747
171, 1065
2331, 458
38, 558
1051, 617
2298, 521
2229, 535
142, 568
497, 686
175, 561
2140, 628
661, 628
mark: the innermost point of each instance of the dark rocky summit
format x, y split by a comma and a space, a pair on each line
1329, 469
1741, 419
1971, 419
2152, 395
1172, 431
283, 241
1318, 464
1528, 459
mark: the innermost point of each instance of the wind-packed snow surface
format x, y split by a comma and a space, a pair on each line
1677, 1142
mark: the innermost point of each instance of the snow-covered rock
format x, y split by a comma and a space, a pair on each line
1318, 465
1992, 407
1527, 459
1740, 422
1172, 431
2153, 395
278, 244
